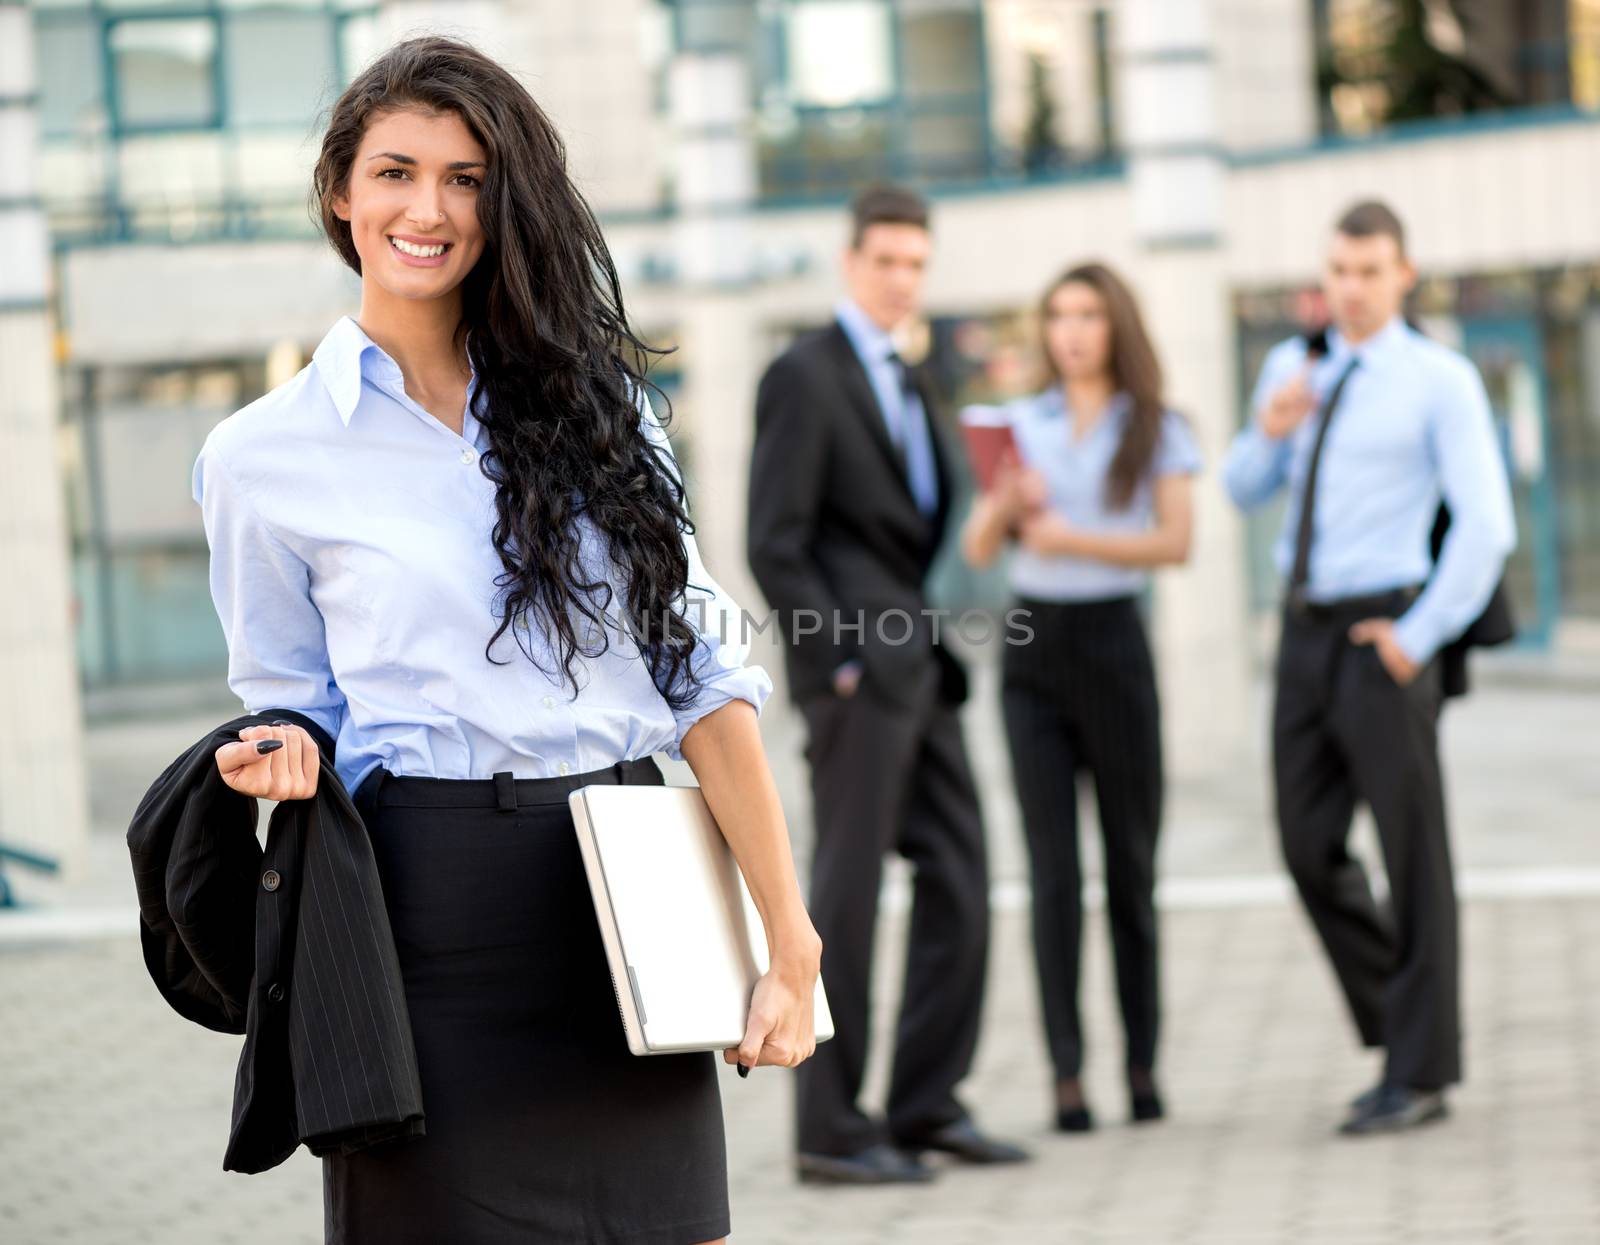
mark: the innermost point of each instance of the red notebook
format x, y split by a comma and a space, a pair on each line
989, 441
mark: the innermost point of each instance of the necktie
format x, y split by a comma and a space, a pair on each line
1301, 572
913, 438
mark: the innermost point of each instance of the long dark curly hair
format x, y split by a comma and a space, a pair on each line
560, 373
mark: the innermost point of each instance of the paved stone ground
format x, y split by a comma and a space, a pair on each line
113, 1111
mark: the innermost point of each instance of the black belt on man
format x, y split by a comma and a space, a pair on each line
1372, 604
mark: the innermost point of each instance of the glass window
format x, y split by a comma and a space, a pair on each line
840, 52
141, 564
70, 97
1586, 53
710, 25
946, 146
941, 54
165, 72
826, 153
358, 44
279, 66
1383, 61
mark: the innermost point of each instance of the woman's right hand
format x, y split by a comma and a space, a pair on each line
286, 772
1006, 490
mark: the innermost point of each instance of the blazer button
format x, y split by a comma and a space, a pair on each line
275, 993
270, 880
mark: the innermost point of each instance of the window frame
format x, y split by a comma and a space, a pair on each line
338, 14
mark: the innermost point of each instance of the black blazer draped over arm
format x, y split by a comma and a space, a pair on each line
290, 946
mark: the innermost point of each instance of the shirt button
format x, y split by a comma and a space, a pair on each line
467, 457
549, 702
275, 993
564, 769
271, 880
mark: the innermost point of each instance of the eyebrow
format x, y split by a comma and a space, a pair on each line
400, 159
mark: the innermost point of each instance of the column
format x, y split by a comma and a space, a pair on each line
43, 800
1166, 52
714, 190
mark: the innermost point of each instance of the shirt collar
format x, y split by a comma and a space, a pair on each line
342, 358
1053, 401
347, 356
1374, 348
872, 343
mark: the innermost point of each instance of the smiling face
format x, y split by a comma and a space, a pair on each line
1077, 332
412, 203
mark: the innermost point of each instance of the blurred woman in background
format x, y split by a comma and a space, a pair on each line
1097, 494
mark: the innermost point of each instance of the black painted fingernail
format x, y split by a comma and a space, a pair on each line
744, 1069
268, 745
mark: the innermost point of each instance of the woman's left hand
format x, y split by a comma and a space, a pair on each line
1045, 531
781, 1030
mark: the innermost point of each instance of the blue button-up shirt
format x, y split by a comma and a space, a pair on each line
1075, 473
353, 572
1413, 426
903, 413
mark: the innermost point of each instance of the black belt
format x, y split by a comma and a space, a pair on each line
502, 791
1299, 607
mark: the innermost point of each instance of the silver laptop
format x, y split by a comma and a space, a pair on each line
683, 938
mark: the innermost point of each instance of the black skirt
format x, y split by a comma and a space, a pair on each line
541, 1126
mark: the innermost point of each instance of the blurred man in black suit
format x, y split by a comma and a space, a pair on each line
850, 488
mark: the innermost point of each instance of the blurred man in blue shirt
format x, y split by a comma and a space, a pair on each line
1371, 427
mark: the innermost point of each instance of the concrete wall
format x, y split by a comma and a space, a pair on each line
1505, 197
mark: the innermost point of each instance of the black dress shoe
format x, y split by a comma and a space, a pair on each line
963, 1141
1147, 1107
1364, 1100
879, 1164
1074, 1119
1392, 1108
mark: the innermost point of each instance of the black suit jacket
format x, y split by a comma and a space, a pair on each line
833, 527
1496, 625
291, 947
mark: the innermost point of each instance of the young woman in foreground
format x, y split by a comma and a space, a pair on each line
1101, 496
458, 540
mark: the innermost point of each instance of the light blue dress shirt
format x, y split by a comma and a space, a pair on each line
903, 413
352, 569
1075, 475
1412, 426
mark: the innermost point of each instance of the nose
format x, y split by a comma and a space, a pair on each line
424, 208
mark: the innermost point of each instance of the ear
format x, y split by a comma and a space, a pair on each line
341, 206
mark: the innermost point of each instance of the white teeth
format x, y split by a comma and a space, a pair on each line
421, 252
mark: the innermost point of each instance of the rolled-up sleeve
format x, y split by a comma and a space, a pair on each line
277, 647
723, 632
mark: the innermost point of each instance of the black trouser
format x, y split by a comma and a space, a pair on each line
1344, 730
1082, 695
887, 778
